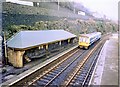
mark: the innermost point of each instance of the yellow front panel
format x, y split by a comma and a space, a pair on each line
83, 44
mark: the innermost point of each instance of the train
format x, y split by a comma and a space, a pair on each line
85, 40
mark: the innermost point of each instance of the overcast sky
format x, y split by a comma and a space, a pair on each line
20, 2
103, 7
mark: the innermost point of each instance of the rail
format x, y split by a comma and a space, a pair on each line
81, 65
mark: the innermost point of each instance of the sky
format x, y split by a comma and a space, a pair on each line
21, 2
109, 8
103, 7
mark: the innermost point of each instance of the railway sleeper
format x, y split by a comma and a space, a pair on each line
59, 69
74, 82
36, 85
84, 71
66, 62
78, 82
83, 74
49, 75
72, 85
90, 73
41, 83
86, 68
55, 71
79, 79
44, 80
47, 78
52, 73
53, 84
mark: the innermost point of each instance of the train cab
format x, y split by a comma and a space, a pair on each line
85, 40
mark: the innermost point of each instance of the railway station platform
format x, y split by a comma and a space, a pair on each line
106, 70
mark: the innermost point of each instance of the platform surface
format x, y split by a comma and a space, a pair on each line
106, 70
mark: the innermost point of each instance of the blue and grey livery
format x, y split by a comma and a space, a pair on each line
85, 40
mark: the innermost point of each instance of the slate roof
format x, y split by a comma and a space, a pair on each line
26, 39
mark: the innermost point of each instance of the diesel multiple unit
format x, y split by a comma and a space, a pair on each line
85, 40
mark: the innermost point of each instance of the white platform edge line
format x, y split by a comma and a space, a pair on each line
101, 61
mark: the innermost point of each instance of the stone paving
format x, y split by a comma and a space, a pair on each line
106, 71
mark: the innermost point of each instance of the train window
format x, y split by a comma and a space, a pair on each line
82, 39
87, 40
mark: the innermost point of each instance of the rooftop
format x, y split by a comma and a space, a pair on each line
26, 39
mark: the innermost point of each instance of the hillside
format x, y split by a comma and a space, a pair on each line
13, 13
47, 16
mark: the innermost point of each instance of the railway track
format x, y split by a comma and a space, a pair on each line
75, 68
49, 76
58, 73
54, 75
81, 75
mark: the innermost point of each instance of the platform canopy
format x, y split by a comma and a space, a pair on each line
26, 39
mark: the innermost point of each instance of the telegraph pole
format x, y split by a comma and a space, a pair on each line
4, 49
74, 7
58, 5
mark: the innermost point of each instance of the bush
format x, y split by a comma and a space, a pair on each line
74, 26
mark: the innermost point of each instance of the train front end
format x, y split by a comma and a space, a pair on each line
84, 42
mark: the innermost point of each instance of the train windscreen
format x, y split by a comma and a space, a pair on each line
83, 39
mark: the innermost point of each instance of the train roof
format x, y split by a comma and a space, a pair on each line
26, 39
90, 34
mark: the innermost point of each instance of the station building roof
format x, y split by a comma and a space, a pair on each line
27, 39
